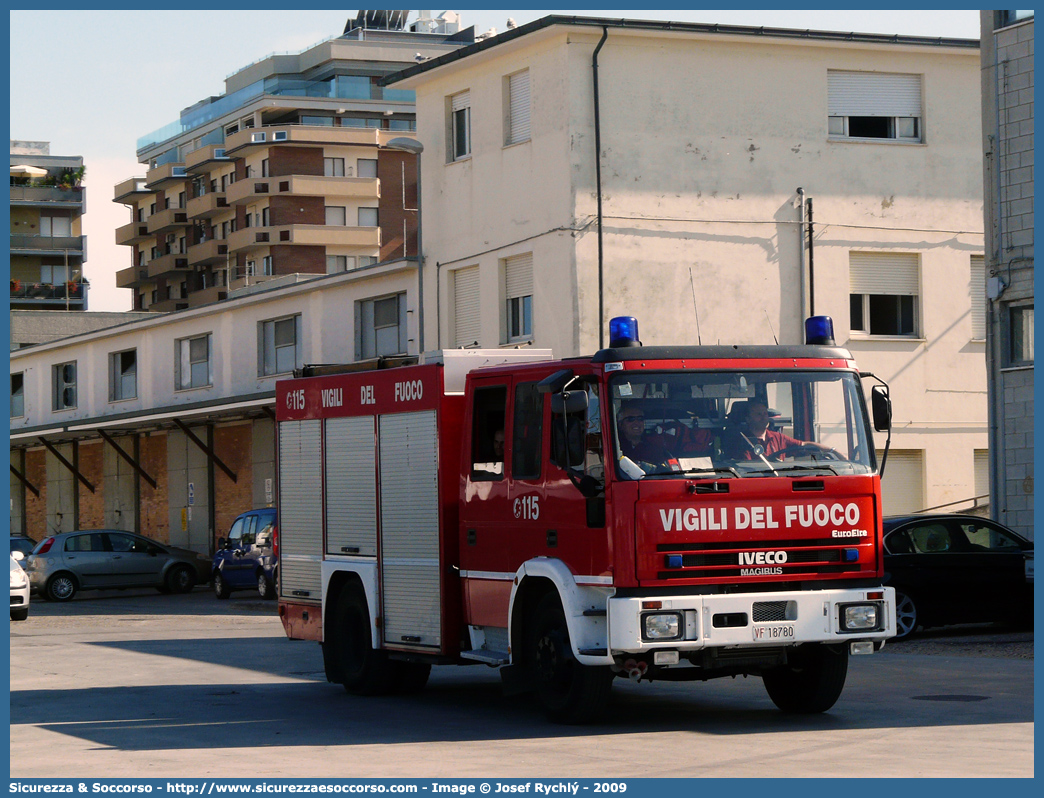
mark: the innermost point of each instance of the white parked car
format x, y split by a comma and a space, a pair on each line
19, 589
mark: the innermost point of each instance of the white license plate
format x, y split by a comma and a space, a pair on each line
774, 632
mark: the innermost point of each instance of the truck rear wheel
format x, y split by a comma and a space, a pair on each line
363, 670
811, 681
568, 691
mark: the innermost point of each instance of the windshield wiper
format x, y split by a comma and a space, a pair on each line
816, 467
714, 470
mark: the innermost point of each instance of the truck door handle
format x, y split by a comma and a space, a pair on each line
552, 538
471, 537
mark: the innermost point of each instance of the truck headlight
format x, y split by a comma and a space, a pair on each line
661, 626
859, 617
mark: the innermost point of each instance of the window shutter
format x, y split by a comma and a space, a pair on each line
981, 459
466, 306
873, 94
518, 91
518, 276
902, 486
884, 273
977, 291
460, 101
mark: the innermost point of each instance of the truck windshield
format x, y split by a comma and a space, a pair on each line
739, 424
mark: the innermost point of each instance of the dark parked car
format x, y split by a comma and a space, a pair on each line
248, 559
23, 544
957, 569
92, 559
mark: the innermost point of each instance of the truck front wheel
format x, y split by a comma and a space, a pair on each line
362, 669
811, 681
568, 691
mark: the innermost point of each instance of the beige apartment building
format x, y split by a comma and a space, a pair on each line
720, 183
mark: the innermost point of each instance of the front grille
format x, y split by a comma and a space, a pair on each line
771, 611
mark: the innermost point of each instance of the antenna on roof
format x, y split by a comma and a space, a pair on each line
694, 308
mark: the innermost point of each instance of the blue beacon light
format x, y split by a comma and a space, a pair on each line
819, 330
623, 332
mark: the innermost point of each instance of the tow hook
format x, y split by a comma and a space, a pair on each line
635, 669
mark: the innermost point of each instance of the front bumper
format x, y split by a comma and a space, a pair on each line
749, 619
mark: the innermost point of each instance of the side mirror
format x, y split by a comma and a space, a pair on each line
221, 543
569, 402
882, 408
18, 555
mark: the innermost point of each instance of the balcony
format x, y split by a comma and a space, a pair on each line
202, 160
167, 221
48, 293
253, 238
252, 140
133, 233
165, 176
130, 190
206, 296
47, 245
47, 197
165, 264
361, 188
207, 206
208, 252
131, 276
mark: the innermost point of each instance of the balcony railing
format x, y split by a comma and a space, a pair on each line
48, 243
45, 194
74, 289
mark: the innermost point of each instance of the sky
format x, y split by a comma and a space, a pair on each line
128, 73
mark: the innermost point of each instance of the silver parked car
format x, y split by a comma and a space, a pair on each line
92, 559
19, 591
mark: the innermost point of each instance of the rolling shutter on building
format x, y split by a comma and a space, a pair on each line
981, 459
977, 296
518, 276
902, 486
410, 529
873, 94
460, 101
518, 96
890, 273
351, 486
300, 509
466, 318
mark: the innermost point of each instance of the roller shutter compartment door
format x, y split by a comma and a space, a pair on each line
411, 590
300, 509
351, 486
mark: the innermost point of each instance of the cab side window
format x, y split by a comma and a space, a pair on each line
487, 433
527, 435
236, 532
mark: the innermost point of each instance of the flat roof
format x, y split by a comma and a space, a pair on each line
676, 27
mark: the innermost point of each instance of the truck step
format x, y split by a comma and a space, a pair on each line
487, 656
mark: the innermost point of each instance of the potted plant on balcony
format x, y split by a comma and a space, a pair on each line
71, 178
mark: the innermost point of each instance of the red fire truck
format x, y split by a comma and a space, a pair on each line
572, 521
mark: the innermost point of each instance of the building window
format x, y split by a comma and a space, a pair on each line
367, 167
1005, 18
193, 363
368, 217
466, 319
278, 346
874, 105
123, 375
333, 167
884, 294
266, 265
17, 395
337, 263
518, 290
64, 382
460, 126
381, 326
251, 268
517, 108
335, 216
977, 297
1020, 330
55, 226
367, 260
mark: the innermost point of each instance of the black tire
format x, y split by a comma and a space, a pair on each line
181, 579
811, 681
61, 587
567, 691
221, 588
906, 615
20, 615
361, 669
264, 586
